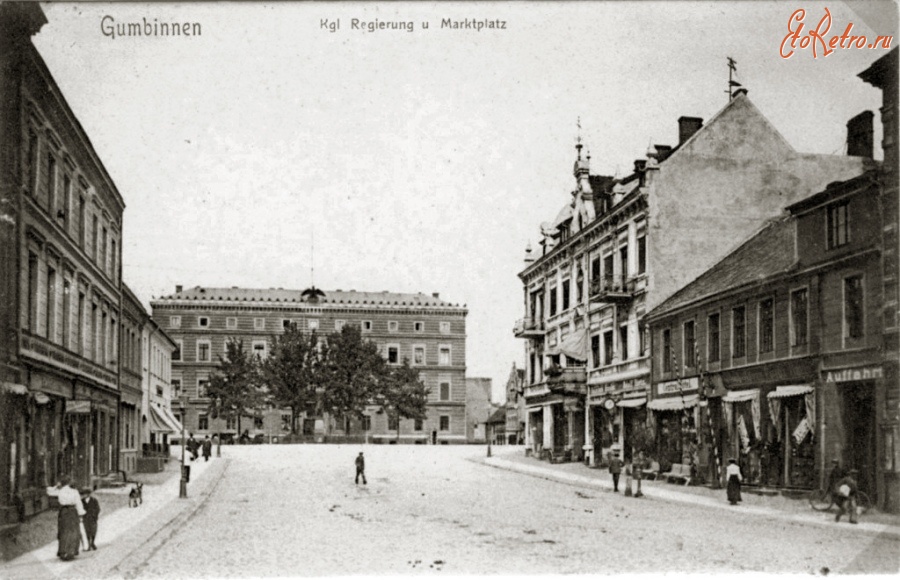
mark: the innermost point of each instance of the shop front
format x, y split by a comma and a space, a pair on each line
32, 424
675, 409
742, 439
791, 457
851, 397
617, 415
556, 427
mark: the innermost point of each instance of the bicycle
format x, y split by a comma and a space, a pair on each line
822, 501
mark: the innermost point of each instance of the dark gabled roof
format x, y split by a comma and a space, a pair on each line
835, 189
498, 416
770, 252
876, 74
235, 294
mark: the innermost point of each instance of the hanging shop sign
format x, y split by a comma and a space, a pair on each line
609, 404
857, 374
801, 431
674, 387
78, 406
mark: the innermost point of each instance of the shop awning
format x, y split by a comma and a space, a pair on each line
673, 403
790, 391
630, 403
740, 396
170, 418
158, 423
573, 346
13, 388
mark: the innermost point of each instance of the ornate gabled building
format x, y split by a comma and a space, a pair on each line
428, 331
620, 247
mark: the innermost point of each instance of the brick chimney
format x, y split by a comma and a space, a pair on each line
178, 289
662, 152
687, 126
859, 135
436, 295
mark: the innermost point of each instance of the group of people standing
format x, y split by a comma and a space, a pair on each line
204, 446
76, 510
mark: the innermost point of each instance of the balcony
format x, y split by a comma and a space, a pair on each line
615, 290
569, 380
529, 328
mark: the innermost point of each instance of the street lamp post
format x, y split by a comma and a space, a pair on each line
218, 412
182, 488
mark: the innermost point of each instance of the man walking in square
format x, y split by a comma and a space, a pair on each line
360, 468
615, 468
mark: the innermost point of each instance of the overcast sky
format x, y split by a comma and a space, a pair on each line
422, 161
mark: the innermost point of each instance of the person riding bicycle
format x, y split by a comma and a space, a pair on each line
845, 495
837, 473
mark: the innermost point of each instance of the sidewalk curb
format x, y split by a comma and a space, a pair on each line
165, 524
131, 549
673, 496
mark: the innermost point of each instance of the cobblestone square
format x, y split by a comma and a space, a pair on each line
295, 511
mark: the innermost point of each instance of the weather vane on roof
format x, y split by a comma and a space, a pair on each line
732, 70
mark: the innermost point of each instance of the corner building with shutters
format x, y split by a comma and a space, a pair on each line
428, 331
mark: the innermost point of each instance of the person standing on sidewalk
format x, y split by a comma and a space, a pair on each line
192, 446
360, 468
733, 480
91, 516
637, 472
845, 496
615, 469
207, 448
71, 511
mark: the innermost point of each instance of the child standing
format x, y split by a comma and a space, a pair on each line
91, 516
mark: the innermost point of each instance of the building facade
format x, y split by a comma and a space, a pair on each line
424, 329
515, 406
883, 75
158, 422
478, 409
134, 318
773, 357
60, 272
621, 246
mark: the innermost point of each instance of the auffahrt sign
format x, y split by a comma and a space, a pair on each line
857, 374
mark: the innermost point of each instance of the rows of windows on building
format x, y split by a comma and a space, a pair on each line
444, 391
608, 270
764, 310
613, 346
262, 323
60, 305
416, 354
365, 423
61, 191
83, 325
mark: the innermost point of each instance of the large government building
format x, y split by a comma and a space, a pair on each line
422, 328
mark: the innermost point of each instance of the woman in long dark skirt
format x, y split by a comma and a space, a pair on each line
733, 478
71, 511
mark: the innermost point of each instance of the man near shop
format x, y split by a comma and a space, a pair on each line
845, 496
